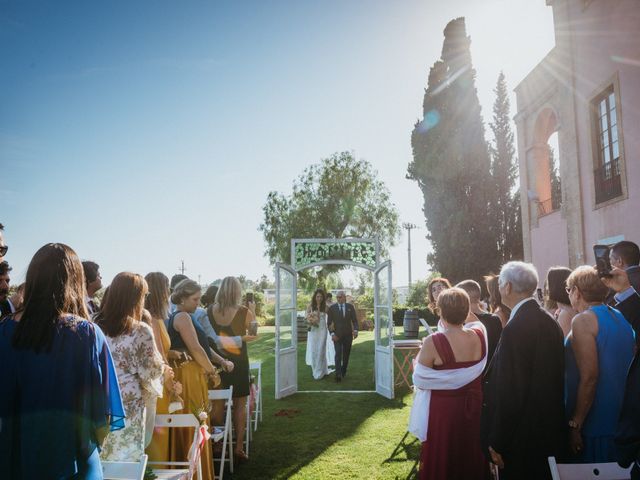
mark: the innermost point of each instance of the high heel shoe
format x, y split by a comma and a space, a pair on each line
240, 457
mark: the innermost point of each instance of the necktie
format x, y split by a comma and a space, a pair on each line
342, 309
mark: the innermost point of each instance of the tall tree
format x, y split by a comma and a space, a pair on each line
337, 198
505, 202
451, 164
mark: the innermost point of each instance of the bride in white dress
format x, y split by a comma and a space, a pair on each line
320, 349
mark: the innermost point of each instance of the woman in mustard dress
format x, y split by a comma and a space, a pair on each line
187, 336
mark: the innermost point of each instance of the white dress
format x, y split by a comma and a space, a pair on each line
320, 350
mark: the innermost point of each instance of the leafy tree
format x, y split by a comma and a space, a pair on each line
556, 185
505, 204
339, 197
451, 164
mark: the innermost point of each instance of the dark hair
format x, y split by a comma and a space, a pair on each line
329, 295
495, 299
453, 305
209, 296
5, 267
1, 226
90, 270
628, 252
432, 301
185, 288
123, 307
472, 288
176, 279
557, 283
157, 301
323, 304
54, 285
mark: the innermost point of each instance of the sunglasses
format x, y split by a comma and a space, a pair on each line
4, 250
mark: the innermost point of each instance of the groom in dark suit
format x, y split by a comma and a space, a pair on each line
343, 327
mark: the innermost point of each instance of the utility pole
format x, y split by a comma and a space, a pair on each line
409, 227
182, 269
199, 280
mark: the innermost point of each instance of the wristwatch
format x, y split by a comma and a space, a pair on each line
573, 424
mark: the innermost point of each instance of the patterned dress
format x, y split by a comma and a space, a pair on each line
139, 366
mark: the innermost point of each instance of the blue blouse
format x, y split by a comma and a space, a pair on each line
52, 403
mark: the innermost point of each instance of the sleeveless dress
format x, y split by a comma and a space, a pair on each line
195, 395
615, 346
320, 350
239, 377
158, 449
452, 450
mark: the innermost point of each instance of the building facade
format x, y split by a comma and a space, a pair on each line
587, 89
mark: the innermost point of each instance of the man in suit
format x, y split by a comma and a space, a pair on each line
343, 327
93, 281
523, 419
5, 279
625, 255
627, 439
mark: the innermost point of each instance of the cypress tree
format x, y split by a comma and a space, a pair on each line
451, 164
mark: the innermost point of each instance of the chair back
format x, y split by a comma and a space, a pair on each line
588, 471
125, 470
183, 420
224, 432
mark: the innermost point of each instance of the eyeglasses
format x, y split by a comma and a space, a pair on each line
568, 290
3, 250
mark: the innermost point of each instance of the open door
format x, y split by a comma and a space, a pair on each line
286, 335
383, 314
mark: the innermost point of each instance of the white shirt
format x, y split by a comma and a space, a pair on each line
518, 305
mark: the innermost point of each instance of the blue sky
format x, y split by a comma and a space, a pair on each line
143, 133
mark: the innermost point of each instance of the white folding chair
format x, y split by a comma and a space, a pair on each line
125, 470
257, 412
224, 432
183, 420
588, 471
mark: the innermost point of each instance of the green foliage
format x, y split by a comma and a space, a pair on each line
451, 164
556, 185
505, 204
418, 294
365, 300
339, 197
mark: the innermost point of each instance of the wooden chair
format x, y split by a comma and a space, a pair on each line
588, 471
125, 470
192, 464
224, 432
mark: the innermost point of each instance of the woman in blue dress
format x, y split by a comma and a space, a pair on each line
59, 394
598, 352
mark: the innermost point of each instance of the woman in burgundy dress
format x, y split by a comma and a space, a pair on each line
449, 375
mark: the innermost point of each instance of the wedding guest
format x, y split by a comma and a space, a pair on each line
435, 286
5, 280
329, 299
3, 246
495, 300
491, 322
557, 293
209, 296
446, 410
229, 318
94, 283
599, 350
625, 255
157, 304
138, 362
523, 420
187, 336
175, 280
59, 393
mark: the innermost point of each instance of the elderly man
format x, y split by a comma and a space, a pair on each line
523, 420
5, 278
343, 326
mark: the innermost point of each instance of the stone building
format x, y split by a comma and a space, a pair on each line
587, 90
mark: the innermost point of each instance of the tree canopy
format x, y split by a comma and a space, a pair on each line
339, 197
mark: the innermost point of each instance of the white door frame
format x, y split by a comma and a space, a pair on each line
286, 350
383, 304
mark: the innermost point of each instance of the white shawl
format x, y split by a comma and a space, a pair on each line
426, 379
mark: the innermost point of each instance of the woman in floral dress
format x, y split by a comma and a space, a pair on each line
139, 365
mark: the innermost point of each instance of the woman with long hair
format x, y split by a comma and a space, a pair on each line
557, 294
188, 337
59, 394
320, 350
495, 300
229, 319
138, 362
434, 288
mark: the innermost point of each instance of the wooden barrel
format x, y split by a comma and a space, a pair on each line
411, 324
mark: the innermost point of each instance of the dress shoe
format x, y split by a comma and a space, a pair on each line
338, 379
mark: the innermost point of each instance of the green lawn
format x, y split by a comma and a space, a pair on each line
330, 435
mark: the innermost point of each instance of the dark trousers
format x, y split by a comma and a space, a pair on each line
343, 349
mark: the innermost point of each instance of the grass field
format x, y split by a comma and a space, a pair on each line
330, 434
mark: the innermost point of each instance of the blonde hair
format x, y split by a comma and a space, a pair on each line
229, 294
587, 281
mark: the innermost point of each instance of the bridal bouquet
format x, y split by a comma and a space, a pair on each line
313, 319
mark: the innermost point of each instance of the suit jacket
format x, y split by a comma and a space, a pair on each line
342, 326
5, 308
633, 273
627, 437
523, 416
493, 325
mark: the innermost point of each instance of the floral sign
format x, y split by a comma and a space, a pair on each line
361, 253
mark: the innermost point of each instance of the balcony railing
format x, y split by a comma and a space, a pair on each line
608, 181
